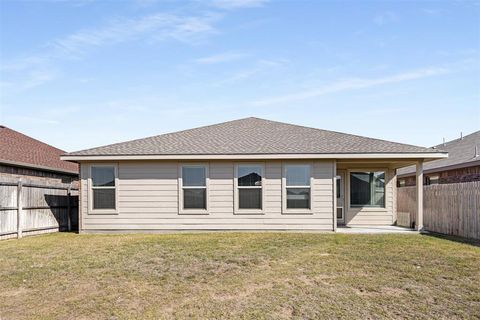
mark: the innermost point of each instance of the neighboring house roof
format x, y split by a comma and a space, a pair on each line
251, 136
463, 152
21, 150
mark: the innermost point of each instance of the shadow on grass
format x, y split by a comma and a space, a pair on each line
472, 242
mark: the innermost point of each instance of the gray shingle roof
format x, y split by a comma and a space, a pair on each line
252, 136
460, 152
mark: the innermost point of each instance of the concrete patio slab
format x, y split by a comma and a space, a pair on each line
375, 230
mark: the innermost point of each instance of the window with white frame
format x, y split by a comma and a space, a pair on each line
249, 191
367, 189
103, 187
297, 185
194, 187
434, 179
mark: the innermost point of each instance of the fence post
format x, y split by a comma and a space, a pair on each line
69, 209
19, 210
419, 189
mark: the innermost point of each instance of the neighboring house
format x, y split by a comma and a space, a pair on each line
22, 157
462, 164
250, 174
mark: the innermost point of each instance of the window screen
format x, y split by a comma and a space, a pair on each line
297, 178
249, 186
194, 184
103, 187
367, 189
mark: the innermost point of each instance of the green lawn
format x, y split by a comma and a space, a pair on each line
238, 275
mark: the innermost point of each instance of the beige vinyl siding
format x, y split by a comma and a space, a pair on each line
221, 189
150, 188
322, 190
148, 200
374, 216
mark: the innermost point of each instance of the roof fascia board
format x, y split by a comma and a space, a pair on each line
426, 155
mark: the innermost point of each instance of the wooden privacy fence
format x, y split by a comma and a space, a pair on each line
32, 208
452, 209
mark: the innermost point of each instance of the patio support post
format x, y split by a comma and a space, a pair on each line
419, 186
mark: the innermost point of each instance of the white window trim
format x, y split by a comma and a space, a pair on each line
183, 211
366, 208
236, 201
91, 210
285, 210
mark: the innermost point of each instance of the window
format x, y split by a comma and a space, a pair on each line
339, 188
297, 185
367, 189
103, 187
339, 213
434, 179
194, 187
249, 187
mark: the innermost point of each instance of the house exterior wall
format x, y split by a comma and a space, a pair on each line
148, 199
11, 173
467, 174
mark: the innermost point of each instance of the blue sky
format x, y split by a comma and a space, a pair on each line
84, 73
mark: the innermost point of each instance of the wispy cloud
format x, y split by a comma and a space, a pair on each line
25, 73
74, 3
30, 71
33, 120
235, 4
433, 12
352, 84
385, 110
25, 77
221, 57
22, 63
385, 18
154, 27
37, 69
261, 66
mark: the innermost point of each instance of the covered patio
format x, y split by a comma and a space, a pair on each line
366, 195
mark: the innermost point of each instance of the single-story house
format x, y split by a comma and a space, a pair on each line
247, 174
462, 164
26, 158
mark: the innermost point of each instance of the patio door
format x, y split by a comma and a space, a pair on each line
340, 193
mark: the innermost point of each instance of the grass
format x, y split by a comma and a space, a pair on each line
238, 275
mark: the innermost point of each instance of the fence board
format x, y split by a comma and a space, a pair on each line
452, 209
44, 207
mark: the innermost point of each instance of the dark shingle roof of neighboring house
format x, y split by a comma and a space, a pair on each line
462, 152
21, 150
252, 136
